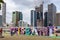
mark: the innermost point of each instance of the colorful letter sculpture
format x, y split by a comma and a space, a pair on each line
19, 31
51, 30
13, 31
43, 31
22, 31
27, 31
34, 31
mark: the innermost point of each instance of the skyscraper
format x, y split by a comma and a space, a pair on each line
17, 16
41, 15
51, 17
33, 18
39, 11
45, 20
3, 11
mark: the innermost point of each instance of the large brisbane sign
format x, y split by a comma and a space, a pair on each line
30, 31
43, 31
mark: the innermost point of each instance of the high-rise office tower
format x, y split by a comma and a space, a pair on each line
39, 11
3, 11
51, 17
17, 16
41, 15
33, 18
57, 19
45, 19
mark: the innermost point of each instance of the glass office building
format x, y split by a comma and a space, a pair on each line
33, 18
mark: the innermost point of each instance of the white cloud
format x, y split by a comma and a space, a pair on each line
10, 6
13, 5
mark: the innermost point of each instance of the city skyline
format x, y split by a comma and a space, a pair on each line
24, 7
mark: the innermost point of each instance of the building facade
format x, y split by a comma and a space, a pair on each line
57, 19
33, 18
39, 11
3, 11
17, 16
51, 17
45, 19
37, 16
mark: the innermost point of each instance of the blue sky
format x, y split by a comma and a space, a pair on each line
24, 6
